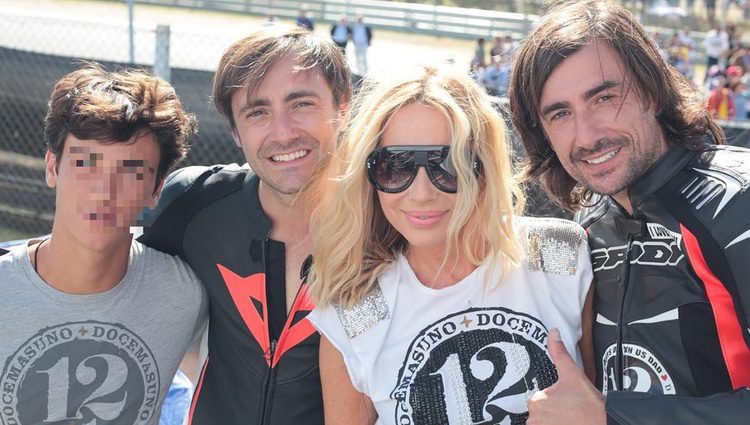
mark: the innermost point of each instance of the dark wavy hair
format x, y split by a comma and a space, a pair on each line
113, 107
568, 27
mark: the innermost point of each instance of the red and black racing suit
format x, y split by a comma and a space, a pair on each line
673, 290
262, 365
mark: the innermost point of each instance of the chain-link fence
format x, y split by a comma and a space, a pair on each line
36, 52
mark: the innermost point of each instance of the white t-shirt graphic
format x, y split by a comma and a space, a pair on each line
471, 352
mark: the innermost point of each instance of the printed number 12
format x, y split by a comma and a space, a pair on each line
58, 379
456, 397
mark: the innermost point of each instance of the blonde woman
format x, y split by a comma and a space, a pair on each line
435, 299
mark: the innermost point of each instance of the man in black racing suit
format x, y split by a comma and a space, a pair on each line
672, 290
244, 232
599, 111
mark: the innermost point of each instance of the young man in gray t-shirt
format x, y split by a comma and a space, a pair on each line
94, 323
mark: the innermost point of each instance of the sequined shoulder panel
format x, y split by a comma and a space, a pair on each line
362, 316
553, 245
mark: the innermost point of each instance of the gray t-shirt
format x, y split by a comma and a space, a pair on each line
102, 359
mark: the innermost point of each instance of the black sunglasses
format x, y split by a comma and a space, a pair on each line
392, 169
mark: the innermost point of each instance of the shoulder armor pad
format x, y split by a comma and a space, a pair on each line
179, 181
721, 172
186, 192
553, 245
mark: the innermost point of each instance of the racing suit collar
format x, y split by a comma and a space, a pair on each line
263, 224
661, 172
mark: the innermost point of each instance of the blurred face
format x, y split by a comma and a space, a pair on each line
420, 213
286, 127
602, 131
100, 189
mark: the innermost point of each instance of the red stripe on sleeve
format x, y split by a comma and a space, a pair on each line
736, 352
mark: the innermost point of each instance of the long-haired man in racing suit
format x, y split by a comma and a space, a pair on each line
244, 230
601, 112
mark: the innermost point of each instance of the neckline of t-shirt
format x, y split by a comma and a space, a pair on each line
79, 299
475, 277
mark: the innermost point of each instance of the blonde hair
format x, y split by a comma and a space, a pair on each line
353, 241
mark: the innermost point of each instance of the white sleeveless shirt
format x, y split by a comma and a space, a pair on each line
471, 352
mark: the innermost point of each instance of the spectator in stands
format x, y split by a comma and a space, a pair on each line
361, 37
304, 21
479, 60
687, 40
498, 47
741, 58
716, 45
714, 76
734, 74
496, 76
658, 39
270, 20
674, 41
733, 37
738, 91
679, 56
476, 73
721, 101
341, 32
510, 45
741, 100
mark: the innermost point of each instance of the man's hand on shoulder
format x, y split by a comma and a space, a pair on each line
570, 400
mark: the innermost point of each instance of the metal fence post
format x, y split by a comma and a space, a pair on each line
434, 15
131, 37
161, 54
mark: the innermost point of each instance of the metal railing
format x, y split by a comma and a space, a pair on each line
409, 17
443, 21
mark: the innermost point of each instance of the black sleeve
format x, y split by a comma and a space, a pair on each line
3, 251
631, 408
726, 254
164, 226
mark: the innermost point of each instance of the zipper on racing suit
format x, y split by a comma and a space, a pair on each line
265, 409
632, 228
270, 378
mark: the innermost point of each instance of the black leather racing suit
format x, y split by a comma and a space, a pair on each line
671, 332
262, 365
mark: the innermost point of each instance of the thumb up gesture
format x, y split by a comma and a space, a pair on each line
570, 400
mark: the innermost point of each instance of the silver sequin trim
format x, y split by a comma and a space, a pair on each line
365, 314
553, 246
